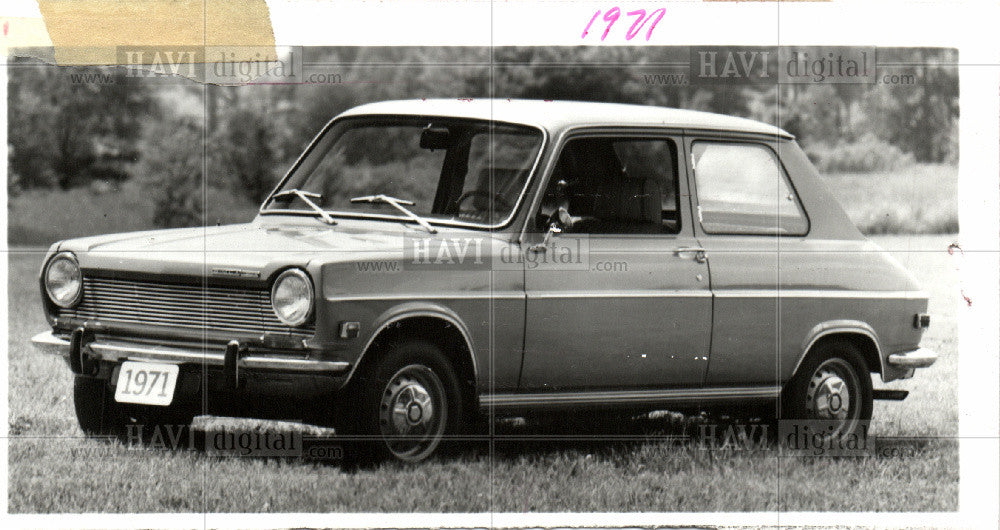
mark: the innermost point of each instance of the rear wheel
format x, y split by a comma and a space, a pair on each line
832, 387
410, 403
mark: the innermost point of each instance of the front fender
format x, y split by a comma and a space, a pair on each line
414, 309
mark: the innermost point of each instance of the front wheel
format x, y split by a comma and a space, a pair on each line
96, 410
411, 402
833, 389
98, 414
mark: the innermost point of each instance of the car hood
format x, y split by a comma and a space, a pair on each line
252, 250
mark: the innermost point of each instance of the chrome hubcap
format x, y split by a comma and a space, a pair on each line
412, 415
412, 409
832, 399
830, 392
415, 413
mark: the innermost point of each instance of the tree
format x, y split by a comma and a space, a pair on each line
71, 125
920, 114
243, 152
172, 166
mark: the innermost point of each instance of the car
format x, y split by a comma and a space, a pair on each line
427, 263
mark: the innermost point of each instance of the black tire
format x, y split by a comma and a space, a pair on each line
405, 405
158, 427
812, 394
99, 414
96, 410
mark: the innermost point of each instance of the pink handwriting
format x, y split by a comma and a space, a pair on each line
612, 15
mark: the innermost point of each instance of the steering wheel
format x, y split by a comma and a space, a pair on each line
497, 199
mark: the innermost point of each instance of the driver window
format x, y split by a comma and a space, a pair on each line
613, 186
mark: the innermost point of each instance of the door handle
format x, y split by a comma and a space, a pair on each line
699, 253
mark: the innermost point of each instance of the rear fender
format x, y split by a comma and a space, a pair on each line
856, 328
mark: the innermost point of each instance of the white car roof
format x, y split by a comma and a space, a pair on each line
558, 115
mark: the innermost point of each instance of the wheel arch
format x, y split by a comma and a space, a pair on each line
858, 333
434, 323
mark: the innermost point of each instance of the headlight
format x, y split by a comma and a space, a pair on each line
292, 297
63, 280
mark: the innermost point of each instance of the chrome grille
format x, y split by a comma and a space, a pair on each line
227, 309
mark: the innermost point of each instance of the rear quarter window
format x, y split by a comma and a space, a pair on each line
743, 189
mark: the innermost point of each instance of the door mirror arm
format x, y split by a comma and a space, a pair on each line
553, 231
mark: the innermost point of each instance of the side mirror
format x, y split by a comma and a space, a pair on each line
553, 231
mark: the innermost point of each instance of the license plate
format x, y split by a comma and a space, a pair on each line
146, 383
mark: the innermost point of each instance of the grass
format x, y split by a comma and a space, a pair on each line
921, 199
52, 468
39, 218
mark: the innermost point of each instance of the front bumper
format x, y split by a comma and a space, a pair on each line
919, 358
231, 358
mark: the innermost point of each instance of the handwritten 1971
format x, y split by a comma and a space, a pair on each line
613, 14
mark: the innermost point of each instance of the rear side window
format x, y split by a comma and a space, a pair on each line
742, 189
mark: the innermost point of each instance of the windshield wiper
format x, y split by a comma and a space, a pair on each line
307, 197
397, 204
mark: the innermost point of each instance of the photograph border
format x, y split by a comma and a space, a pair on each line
969, 27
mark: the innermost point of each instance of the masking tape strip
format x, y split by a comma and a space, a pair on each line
108, 32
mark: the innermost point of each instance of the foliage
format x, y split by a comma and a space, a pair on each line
173, 167
39, 217
866, 154
69, 126
920, 118
66, 133
243, 153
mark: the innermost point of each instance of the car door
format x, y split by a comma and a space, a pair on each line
751, 222
620, 298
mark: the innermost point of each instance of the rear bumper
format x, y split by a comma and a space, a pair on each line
116, 351
919, 358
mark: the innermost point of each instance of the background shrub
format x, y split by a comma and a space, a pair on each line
172, 168
867, 154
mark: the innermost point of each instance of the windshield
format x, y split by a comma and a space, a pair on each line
439, 168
